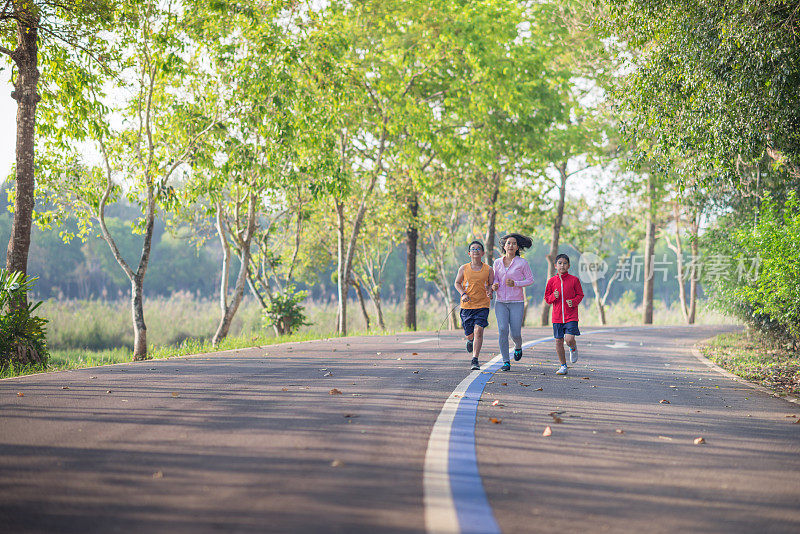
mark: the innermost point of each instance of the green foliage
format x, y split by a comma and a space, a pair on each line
708, 85
284, 312
765, 293
23, 338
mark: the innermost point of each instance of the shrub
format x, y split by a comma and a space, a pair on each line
285, 312
22, 334
763, 285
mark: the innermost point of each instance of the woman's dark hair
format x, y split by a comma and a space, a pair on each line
476, 242
562, 256
523, 242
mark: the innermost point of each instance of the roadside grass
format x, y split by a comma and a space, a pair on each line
90, 333
745, 355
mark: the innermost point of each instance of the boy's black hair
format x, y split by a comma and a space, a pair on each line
476, 242
523, 242
562, 256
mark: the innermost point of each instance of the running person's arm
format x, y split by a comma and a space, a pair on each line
550, 295
459, 285
578, 292
527, 276
490, 284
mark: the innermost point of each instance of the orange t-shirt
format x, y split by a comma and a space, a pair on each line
475, 284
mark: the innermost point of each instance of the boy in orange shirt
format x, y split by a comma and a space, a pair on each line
474, 283
564, 292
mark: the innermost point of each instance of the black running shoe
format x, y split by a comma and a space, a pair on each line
517, 355
475, 365
469, 347
506, 366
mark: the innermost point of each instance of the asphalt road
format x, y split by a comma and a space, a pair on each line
257, 440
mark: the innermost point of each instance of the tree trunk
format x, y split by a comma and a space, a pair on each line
229, 312
557, 221
27, 97
601, 309
242, 242
361, 303
693, 273
491, 236
412, 236
341, 282
679, 256
376, 300
649, 251
137, 313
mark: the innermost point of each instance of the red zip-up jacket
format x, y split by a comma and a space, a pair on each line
569, 288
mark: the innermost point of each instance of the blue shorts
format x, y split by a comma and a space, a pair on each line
570, 327
471, 318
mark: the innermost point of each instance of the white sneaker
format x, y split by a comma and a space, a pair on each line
573, 355
562, 370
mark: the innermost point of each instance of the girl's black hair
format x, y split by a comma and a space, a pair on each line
523, 242
562, 256
476, 242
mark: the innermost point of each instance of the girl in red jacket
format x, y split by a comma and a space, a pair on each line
564, 292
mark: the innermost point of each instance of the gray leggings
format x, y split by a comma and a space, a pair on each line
509, 315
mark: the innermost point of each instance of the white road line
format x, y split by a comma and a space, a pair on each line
441, 516
440, 509
423, 340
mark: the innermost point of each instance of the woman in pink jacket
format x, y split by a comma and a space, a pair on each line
511, 274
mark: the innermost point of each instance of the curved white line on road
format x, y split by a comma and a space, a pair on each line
453, 495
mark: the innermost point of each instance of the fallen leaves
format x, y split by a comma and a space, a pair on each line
20, 394
495, 420
337, 463
619, 431
334, 391
504, 383
158, 474
64, 387
524, 385
495, 403
547, 431
699, 441
328, 374
556, 418
664, 401
176, 394
538, 389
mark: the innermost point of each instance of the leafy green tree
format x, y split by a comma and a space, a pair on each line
140, 159
51, 31
263, 157
708, 86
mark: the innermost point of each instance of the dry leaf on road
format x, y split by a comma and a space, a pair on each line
664, 401
335, 391
555, 417
495, 420
699, 441
547, 431
20, 394
495, 403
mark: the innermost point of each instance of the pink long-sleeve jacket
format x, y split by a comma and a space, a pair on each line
519, 271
